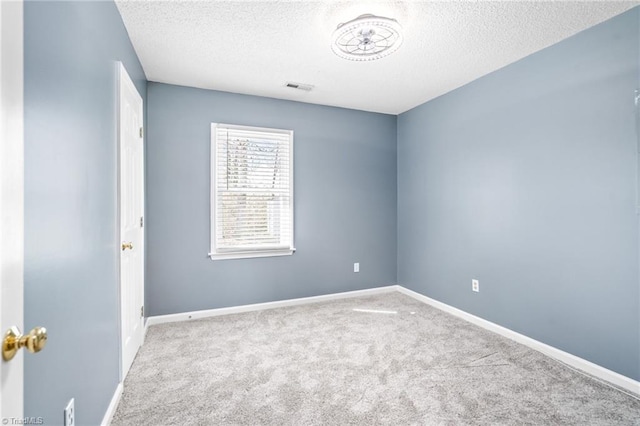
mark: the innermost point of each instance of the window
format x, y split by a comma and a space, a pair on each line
251, 192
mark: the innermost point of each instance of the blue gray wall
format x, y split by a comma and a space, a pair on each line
345, 201
526, 180
71, 251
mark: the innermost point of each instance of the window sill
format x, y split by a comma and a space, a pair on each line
251, 254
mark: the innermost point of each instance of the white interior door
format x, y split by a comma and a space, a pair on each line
11, 200
131, 190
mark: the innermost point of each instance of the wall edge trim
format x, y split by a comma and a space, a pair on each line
187, 316
595, 371
113, 405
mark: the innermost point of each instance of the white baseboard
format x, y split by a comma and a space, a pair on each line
113, 405
144, 331
594, 370
186, 316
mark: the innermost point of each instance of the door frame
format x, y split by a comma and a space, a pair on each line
122, 79
12, 199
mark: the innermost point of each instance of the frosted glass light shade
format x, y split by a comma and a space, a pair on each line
367, 38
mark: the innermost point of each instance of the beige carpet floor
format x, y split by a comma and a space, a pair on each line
343, 363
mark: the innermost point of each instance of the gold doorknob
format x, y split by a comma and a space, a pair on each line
14, 341
128, 245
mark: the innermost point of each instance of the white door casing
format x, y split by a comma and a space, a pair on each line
131, 206
11, 200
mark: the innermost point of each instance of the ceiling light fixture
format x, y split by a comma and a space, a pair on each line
366, 38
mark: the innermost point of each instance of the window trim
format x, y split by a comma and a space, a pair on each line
214, 253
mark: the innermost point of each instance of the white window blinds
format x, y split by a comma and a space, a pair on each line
252, 191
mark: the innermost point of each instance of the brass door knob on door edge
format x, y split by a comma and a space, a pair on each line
127, 246
14, 340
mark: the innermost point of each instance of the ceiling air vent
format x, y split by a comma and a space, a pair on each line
299, 86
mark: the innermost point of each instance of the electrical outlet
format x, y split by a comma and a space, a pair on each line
356, 267
475, 285
70, 414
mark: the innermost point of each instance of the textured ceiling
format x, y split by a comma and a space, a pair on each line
255, 47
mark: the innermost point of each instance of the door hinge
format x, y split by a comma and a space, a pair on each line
141, 221
140, 132
142, 311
